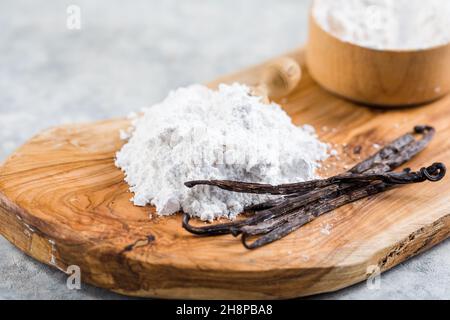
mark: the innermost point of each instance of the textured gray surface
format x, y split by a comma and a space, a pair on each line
128, 55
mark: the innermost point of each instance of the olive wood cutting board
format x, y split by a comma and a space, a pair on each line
63, 202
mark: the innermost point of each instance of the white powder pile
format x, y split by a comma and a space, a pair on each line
386, 24
198, 133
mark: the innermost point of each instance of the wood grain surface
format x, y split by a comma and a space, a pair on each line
63, 202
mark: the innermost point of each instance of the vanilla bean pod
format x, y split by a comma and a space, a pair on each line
390, 157
313, 196
279, 229
434, 173
257, 188
390, 179
281, 207
305, 208
277, 208
397, 152
278, 216
382, 161
302, 187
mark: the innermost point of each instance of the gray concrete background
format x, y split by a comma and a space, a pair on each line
128, 55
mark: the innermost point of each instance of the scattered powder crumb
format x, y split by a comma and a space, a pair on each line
124, 134
437, 89
53, 250
28, 227
326, 230
376, 146
198, 133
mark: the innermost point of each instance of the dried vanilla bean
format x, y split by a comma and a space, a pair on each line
277, 228
284, 206
397, 152
283, 219
281, 226
390, 157
305, 215
382, 161
303, 202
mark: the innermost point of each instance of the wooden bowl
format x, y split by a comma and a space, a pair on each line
385, 78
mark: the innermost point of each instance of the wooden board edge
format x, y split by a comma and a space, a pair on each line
40, 245
26, 235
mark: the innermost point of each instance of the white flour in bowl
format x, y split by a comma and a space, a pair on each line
197, 134
386, 24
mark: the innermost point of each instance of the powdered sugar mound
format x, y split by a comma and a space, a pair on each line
386, 24
198, 133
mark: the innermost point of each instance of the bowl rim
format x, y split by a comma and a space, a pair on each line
389, 50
